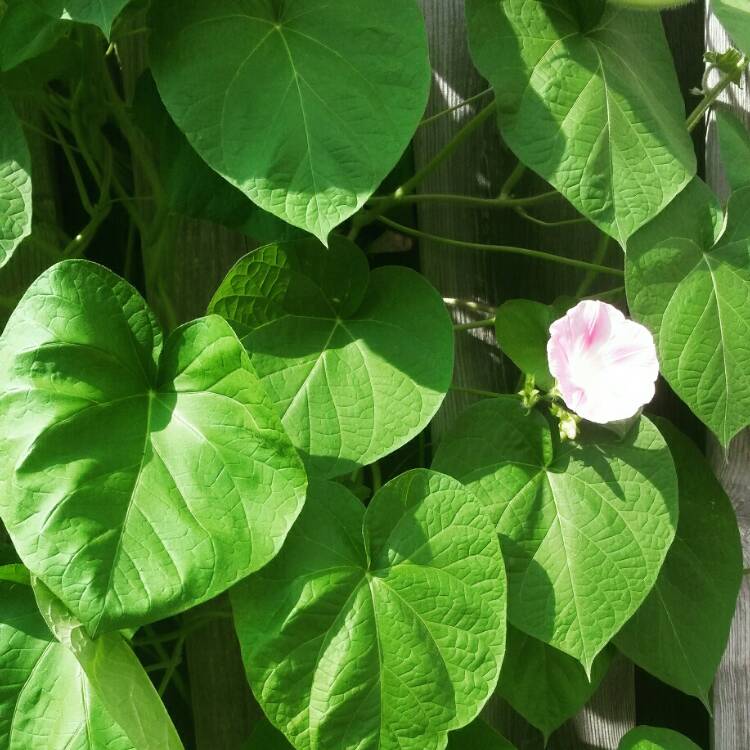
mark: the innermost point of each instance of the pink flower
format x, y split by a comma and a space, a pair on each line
605, 365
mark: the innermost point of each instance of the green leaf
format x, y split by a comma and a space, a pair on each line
137, 480
193, 189
15, 183
303, 105
478, 736
522, 328
584, 527
735, 148
692, 290
588, 98
546, 686
377, 628
15, 573
101, 13
27, 29
357, 362
652, 738
46, 700
113, 676
680, 632
735, 17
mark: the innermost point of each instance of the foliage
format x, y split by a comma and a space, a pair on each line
150, 463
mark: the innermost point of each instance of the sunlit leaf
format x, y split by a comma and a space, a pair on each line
377, 628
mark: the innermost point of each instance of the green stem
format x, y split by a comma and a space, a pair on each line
465, 103
599, 256
610, 293
174, 663
549, 224
487, 323
367, 217
475, 392
513, 179
469, 304
710, 96
377, 477
80, 183
468, 200
509, 249
414, 182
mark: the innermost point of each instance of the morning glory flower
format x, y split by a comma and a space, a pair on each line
605, 365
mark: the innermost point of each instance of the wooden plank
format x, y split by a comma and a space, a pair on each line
479, 168
731, 726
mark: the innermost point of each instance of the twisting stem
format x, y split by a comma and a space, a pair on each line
486, 323
469, 304
475, 392
513, 178
538, 254
468, 200
710, 96
465, 103
548, 224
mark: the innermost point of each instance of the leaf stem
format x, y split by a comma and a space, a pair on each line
513, 179
469, 304
469, 200
509, 249
599, 256
475, 392
486, 323
465, 103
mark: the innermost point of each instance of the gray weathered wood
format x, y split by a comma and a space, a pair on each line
479, 168
732, 687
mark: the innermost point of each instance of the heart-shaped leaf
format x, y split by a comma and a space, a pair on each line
304, 105
15, 183
101, 13
680, 632
377, 628
546, 686
522, 328
137, 480
654, 738
584, 527
112, 680
357, 362
46, 701
588, 98
192, 188
692, 290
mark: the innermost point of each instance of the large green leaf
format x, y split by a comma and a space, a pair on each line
304, 105
381, 628
357, 362
192, 188
584, 527
653, 738
478, 736
735, 16
114, 677
46, 700
735, 148
27, 29
692, 290
680, 632
589, 99
545, 685
15, 182
136, 479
